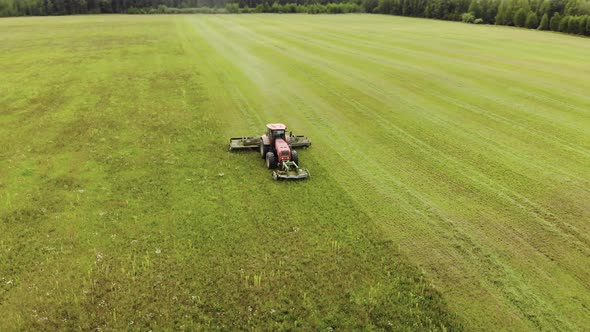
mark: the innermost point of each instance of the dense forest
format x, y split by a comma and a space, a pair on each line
570, 16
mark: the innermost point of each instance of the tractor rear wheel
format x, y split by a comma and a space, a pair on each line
263, 148
295, 157
271, 160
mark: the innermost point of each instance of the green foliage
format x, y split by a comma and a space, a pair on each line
386, 7
577, 8
532, 21
478, 21
417, 8
64, 7
435, 9
275, 8
505, 15
172, 10
564, 24
580, 25
544, 7
520, 18
7, 8
544, 25
247, 10
262, 8
291, 8
316, 9
475, 8
573, 25
370, 5
555, 22
333, 8
232, 8
134, 10
489, 10
468, 18
585, 25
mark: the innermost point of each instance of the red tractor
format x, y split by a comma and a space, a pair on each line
277, 149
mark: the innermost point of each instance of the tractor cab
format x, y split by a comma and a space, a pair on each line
275, 131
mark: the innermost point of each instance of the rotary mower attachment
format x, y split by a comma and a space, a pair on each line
289, 170
253, 143
244, 143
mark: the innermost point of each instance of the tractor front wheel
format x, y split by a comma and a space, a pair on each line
271, 160
295, 157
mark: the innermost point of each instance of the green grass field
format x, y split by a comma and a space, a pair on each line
450, 171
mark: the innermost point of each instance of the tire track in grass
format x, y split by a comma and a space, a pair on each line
235, 93
239, 100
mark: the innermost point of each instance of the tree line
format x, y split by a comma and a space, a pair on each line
73, 7
569, 16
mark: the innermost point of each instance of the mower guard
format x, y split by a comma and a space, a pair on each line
244, 143
298, 141
290, 175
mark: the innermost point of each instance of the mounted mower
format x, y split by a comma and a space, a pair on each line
277, 150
